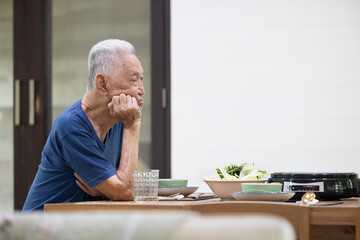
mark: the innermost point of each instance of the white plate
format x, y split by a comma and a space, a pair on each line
182, 190
282, 196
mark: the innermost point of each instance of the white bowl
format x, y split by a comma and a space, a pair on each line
223, 189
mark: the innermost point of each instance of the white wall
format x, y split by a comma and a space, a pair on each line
276, 83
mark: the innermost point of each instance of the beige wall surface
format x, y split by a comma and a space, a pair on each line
274, 83
6, 106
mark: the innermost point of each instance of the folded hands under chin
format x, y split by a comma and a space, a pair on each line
125, 108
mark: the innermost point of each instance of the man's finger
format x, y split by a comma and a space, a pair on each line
111, 107
115, 99
81, 180
82, 187
122, 98
76, 175
128, 99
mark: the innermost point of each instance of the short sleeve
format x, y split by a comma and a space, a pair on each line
86, 158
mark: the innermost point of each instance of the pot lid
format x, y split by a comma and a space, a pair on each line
314, 175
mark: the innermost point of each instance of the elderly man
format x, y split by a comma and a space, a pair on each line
92, 149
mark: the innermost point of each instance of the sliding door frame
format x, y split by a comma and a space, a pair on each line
160, 85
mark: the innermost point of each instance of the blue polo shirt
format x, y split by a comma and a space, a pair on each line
73, 146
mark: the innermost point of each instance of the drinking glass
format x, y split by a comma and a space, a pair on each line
146, 185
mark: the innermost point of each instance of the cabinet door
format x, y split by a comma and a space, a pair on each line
32, 90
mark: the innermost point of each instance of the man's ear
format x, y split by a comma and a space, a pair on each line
100, 83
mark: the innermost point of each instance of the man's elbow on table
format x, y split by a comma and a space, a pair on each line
117, 190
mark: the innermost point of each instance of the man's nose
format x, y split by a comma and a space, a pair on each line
141, 90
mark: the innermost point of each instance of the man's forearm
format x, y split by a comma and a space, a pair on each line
121, 185
129, 153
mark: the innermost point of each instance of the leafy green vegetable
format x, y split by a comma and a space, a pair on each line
219, 173
242, 172
227, 176
234, 170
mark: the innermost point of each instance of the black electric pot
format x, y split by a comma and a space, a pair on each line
326, 186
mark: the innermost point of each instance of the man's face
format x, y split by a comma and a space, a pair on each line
129, 80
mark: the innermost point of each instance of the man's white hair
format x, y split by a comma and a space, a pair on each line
105, 56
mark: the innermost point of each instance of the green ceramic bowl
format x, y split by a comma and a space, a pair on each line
261, 187
172, 183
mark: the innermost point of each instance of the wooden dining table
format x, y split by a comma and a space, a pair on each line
324, 220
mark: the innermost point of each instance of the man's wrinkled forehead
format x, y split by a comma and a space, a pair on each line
132, 65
